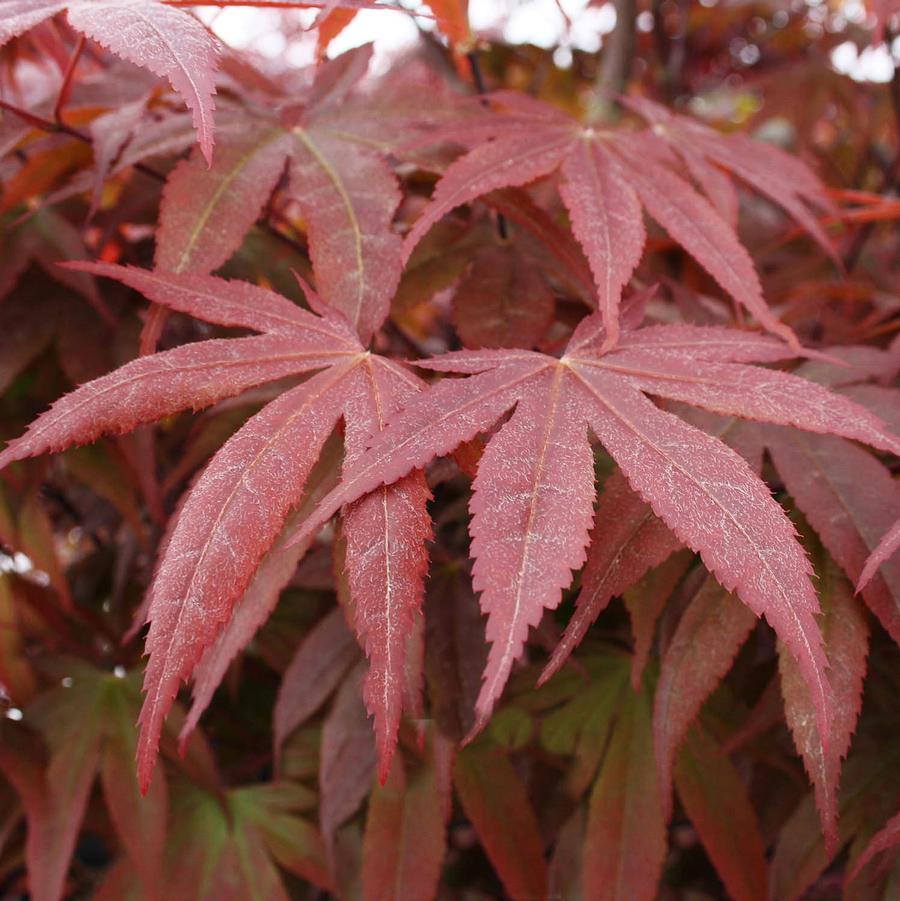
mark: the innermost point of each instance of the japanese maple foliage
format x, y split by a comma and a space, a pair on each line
485, 463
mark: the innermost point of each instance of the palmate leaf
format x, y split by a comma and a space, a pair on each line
627, 540
778, 176
533, 492
345, 189
257, 604
228, 846
850, 498
607, 177
167, 41
239, 505
87, 726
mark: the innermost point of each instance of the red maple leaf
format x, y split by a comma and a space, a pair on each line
532, 502
234, 513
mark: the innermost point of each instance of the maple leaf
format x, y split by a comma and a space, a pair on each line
347, 756
532, 500
580, 729
849, 498
344, 188
234, 513
778, 176
87, 725
319, 666
645, 602
887, 837
257, 604
168, 41
627, 540
607, 177
228, 846
502, 301
868, 785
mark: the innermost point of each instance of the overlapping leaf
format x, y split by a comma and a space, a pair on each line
405, 838
236, 510
886, 549
846, 644
533, 493
627, 540
166, 40
345, 190
87, 725
607, 178
778, 176
709, 635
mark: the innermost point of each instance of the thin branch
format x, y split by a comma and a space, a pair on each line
478, 78
618, 56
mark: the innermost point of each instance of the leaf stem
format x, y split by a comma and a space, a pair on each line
478, 78
65, 89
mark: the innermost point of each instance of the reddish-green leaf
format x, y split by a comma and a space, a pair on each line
716, 801
887, 837
625, 839
645, 602
317, 669
347, 758
405, 838
205, 212
496, 803
868, 788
